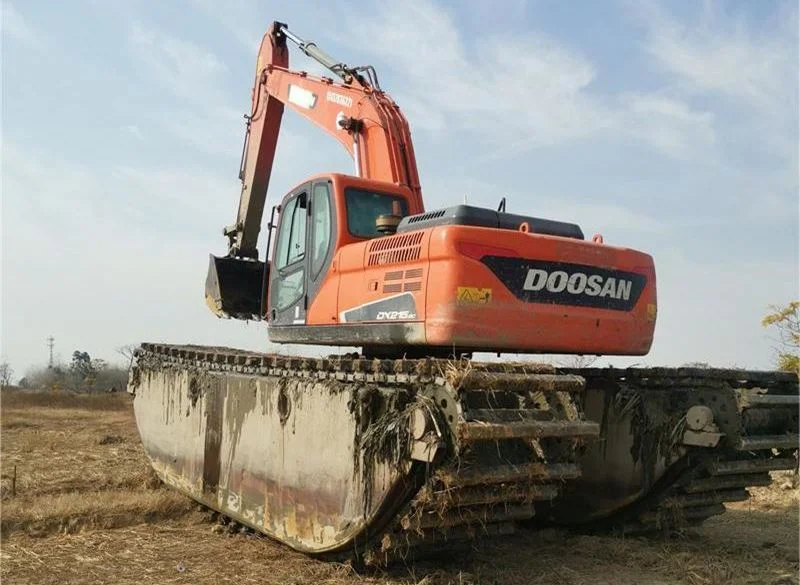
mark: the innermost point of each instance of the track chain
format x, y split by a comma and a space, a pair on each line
512, 437
512, 404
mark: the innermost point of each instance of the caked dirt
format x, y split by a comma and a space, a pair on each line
80, 505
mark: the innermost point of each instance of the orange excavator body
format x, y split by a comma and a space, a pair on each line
455, 280
464, 288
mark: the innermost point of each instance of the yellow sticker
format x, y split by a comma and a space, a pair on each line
651, 312
475, 295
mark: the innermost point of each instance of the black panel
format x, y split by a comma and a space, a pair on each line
356, 334
562, 283
479, 217
398, 308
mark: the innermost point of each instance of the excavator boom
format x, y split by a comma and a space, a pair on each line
355, 112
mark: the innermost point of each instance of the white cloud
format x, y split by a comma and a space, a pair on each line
217, 130
147, 198
14, 26
235, 17
103, 260
717, 52
205, 120
720, 55
711, 312
516, 92
538, 96
608, 218
616, 222
666, 123
134, 131
189, 71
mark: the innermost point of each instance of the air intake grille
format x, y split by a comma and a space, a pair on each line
427, 216
395, 249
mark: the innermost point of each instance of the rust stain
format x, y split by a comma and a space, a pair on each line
240, 459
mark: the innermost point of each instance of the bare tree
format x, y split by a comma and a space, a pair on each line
126, 351
6, 374
577, 361
696, 365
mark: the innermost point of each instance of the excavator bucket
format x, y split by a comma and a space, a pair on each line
235, 287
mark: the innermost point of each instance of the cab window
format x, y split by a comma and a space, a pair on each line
364, 207
290, 289
321, 227
292, 236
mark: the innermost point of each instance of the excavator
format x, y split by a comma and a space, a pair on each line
409, 445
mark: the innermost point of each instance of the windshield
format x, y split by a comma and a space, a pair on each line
364, 207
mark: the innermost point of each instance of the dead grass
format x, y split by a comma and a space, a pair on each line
59, 450
184, 552
79, 510
64, 399
87, 511
783, 494
72, 462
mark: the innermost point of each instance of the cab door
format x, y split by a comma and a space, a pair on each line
289, 270
321, 237
303, 253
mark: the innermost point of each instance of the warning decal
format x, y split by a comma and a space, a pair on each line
474, 295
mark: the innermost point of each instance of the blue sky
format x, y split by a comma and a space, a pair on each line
669, 127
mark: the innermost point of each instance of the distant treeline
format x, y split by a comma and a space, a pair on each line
82, 374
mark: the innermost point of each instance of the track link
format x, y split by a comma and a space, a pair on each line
757, 415
497, 445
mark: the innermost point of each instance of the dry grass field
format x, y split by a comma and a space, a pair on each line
85, 508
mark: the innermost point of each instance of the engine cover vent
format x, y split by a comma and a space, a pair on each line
395, 249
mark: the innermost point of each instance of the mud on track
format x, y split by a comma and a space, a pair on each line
87, 509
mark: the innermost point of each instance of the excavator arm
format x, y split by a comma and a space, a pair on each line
355, 112
258, 153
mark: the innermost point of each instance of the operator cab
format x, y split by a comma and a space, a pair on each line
316, 219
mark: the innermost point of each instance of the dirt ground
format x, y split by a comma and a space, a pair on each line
80, 505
